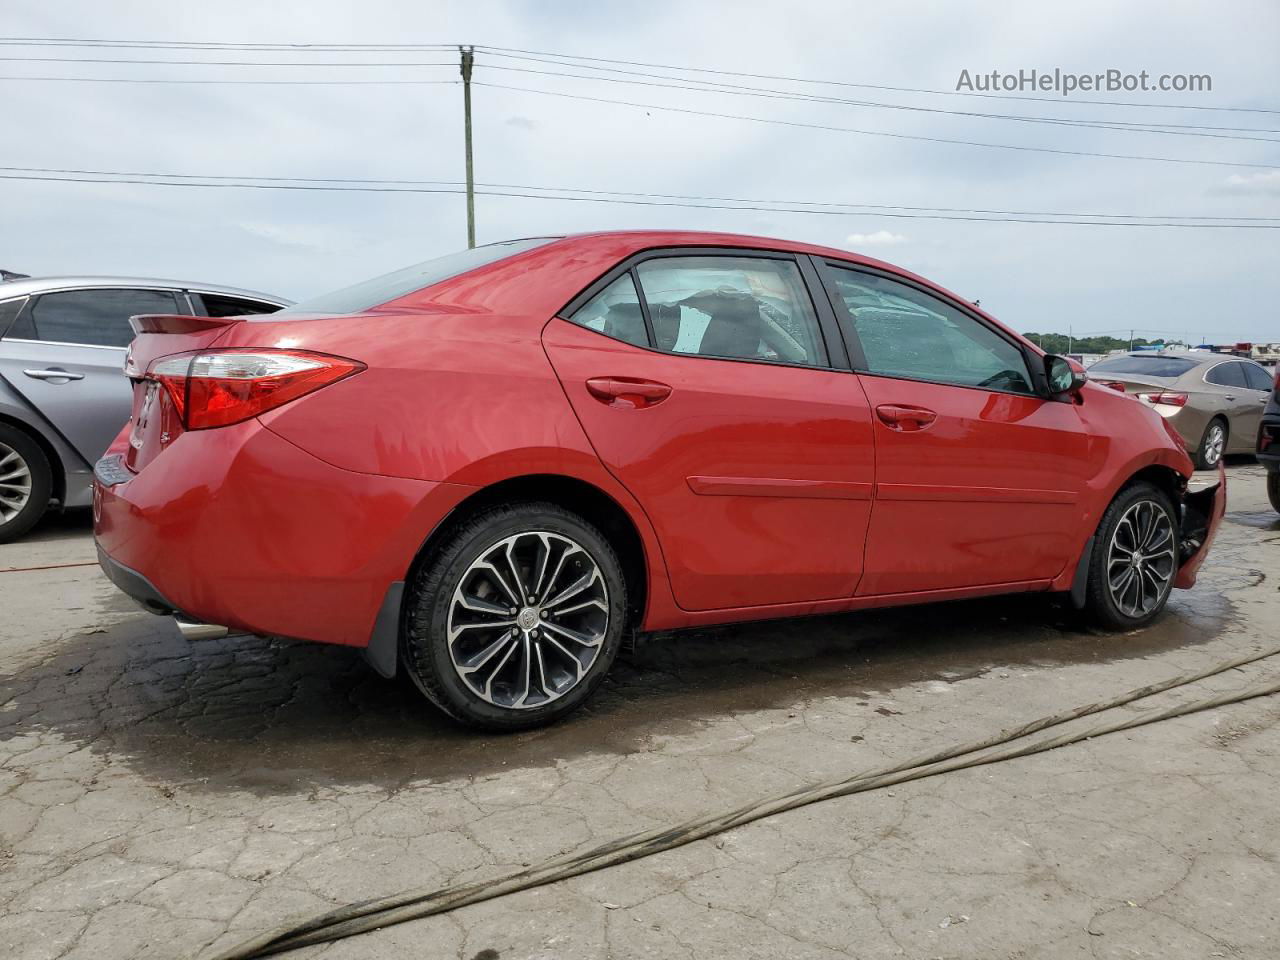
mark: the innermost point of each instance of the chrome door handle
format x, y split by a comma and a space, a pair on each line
1228, 396
51, 374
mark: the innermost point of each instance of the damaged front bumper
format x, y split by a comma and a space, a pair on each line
1202, 512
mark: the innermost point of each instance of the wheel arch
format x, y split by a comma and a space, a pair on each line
58, 485
589, 501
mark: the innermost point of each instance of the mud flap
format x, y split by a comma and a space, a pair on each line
1080, 585
383, 651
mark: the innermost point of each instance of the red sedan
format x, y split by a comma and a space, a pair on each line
487, 468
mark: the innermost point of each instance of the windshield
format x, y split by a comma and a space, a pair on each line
390, 286
1168, 367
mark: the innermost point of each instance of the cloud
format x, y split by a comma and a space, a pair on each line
521, 123
1267, 182
881, 238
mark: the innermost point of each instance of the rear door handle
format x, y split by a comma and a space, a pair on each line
1228, 396
628, 392
906, 418
53, 374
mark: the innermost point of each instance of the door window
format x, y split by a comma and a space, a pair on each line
747, 308
907, 333
96, 317
615, 311
217, 305
1258, 379
1226, 375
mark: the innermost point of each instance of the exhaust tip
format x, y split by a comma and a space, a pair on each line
194, 630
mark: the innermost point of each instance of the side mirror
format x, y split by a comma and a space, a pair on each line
1064, 376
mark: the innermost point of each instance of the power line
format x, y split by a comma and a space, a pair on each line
764, 93
342, 188
418, 47
217, 82
873, 133
713, 85
680, 83
876, 86
626, 193
234, 63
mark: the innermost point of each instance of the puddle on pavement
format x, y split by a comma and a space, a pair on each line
275, 716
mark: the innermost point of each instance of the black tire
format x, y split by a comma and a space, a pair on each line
1206, 459
1273, 489
18, 446
1101, 605
426, 651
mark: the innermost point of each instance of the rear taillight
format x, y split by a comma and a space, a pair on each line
1167, 399
1113, 384
220, 387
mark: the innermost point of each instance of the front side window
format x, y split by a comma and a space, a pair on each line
911, 334
1226, 375
615, 311
95, 317
748, 308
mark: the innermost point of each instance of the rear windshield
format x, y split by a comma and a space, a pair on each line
391, 286
1168, 367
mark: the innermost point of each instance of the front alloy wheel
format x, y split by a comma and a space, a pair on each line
1141, 559
516, 618
1134, 558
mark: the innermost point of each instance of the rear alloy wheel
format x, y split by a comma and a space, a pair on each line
518, 618
25, 483
1212, 445
1135, 558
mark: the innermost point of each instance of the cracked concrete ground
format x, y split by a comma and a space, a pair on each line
162, 799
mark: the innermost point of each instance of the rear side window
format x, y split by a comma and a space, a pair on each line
1257, 378
615, 311
1226, 375
749, 308
392, 286
1168, 368
907, 333
95, 317
9, 312
217, 305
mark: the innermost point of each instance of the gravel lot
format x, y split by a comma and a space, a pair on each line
160, 798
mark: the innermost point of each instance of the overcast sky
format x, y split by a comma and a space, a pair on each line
1223, 284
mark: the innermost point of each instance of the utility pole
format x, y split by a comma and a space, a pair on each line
468, 56
1070, 337
1131, 341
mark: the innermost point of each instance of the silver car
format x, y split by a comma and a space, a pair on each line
63, 393
1214, 401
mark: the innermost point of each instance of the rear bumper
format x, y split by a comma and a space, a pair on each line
238, 526
1202, 515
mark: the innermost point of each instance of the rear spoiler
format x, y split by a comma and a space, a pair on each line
177, 323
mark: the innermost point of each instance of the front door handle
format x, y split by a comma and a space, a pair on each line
53, 373
628, 392
906, 418
1228, 396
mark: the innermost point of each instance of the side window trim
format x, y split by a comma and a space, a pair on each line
827, 266
837, 357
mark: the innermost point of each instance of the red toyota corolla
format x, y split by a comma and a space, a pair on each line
489, 467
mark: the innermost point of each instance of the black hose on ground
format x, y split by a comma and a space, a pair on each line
412, 905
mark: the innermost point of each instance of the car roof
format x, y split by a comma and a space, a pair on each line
34, 285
